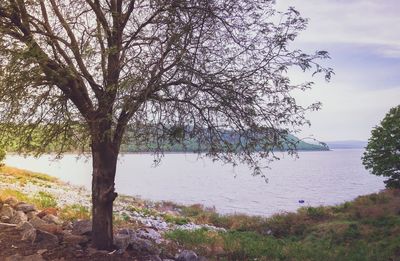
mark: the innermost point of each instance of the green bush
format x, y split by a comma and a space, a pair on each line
2, 156
382, 154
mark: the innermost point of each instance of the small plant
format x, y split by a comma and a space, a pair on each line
317, 213
176, 219
44, 200
2, 156
75, 212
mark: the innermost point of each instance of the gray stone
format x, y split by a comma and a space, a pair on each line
45, 239
122, 241
18, 257
24, 226
49, 218
67, 225
11, 201
149, 233
37, 222
25, 207
6, 211
18, 217
74, 239
5, 219
187, 255
32, 214
82, 227
29, 234
144, 245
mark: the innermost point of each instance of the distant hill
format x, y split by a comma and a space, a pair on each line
192, 145
347, 144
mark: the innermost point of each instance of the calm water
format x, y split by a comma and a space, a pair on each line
318, 178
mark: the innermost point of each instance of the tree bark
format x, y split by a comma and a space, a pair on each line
104, 154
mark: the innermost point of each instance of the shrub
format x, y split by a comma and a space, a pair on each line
44, 200
382, 154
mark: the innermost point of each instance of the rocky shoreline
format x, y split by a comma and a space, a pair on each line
42, 218
141, 230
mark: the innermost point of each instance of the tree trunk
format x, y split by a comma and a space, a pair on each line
105, 157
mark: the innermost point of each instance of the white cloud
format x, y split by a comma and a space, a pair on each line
364, 41
362, 22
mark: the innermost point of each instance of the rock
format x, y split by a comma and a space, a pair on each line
153, 258
37, 222
122, 241
24, 226
46, 239
144, 246
49, 218
67, 225
46, 211
74, 239
7, 212
41, 251
31, 214
24, 207
82, 227
92, 251
4, 219
42, 225
149, 233
17, 257
187, 255
18, 217
29, 234
11, 201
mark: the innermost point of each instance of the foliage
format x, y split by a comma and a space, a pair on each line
80, 73
74, 212
2, 156
382, 154
44, 200
166, 71
327, 233
41, 199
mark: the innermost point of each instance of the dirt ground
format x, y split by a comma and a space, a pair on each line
12, 245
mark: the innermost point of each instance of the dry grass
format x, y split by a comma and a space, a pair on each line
23, 176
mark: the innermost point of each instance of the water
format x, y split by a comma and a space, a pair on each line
318, 178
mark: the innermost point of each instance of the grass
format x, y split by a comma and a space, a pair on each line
44, 200
41, 199
8, 193
24, 176
74, 212
367, 228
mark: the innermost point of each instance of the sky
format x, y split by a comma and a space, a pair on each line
363, 40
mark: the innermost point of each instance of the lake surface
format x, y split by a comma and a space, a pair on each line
318, 178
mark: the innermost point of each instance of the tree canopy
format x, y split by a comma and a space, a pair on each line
382, 154
83, 72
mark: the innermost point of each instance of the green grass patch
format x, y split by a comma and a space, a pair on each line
24, 176
44, 200
74, 212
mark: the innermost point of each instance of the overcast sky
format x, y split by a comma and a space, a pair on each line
363, 39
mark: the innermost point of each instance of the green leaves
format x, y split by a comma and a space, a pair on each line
382, 155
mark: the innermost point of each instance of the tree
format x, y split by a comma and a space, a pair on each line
80, 73
382, 154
